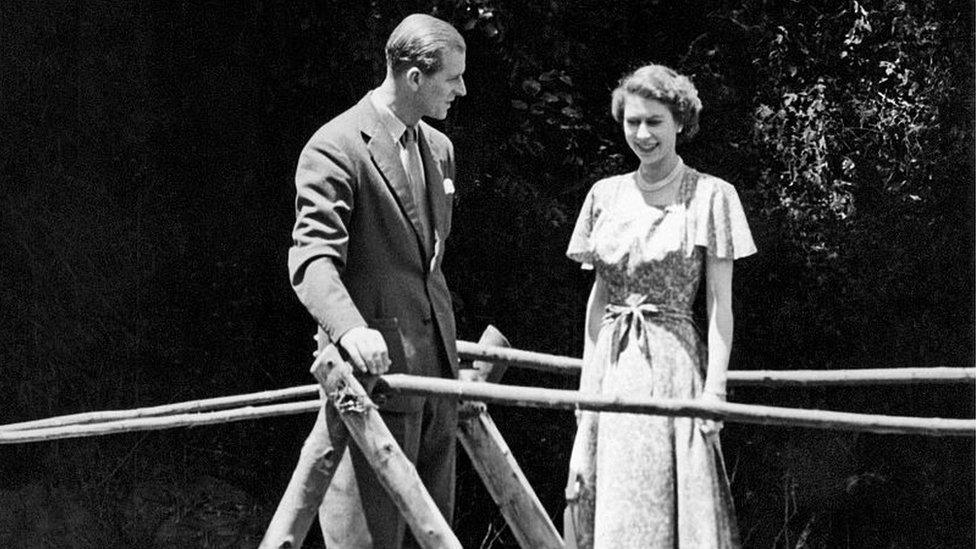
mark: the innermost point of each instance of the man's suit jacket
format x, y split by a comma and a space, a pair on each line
357, 257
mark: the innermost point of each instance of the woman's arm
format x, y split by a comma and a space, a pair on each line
718, 276
595, 306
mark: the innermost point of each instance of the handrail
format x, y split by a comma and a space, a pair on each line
867, 376
735, 378
538, 397
156, 423
204, 405
533, 397
181, 412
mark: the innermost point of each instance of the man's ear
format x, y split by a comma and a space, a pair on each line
413, 77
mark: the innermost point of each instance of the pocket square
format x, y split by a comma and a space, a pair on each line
448, 186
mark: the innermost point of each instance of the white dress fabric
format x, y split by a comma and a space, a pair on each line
653, 481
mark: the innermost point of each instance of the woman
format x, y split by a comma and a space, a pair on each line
644, 481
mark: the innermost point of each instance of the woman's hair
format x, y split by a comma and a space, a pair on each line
667, 86
418, 41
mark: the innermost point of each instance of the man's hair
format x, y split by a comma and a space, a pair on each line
419, 41
667, 86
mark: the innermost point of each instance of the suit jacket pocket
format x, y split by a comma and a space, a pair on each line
390, 329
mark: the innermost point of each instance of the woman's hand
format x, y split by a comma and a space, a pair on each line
710, 427
579, 458
581, 464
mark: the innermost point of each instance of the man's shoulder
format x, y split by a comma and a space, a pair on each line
339, 137
345, 124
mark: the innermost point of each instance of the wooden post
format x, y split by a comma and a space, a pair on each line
299, 505
507, 484
317, 464
498, 468
394, 471
323, 449
489, 371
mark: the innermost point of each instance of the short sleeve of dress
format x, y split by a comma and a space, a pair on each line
720, 221
580, 244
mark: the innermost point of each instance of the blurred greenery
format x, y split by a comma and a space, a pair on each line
146, 201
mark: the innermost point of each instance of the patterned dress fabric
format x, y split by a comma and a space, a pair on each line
653, 481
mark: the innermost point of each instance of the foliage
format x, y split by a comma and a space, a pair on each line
146, 201
849, 118
847, 131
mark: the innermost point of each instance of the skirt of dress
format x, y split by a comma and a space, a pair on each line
648, 481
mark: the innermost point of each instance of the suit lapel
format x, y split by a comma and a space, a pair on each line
435, 194
386, 155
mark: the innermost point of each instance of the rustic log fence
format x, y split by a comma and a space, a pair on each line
347, 411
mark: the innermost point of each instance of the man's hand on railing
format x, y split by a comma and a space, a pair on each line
366, 349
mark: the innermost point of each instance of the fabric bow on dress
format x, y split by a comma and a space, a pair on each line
636, 317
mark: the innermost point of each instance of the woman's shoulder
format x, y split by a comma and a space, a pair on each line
612, 181
709, 185
720, 221
608, 186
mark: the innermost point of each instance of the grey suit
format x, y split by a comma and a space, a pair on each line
358, 259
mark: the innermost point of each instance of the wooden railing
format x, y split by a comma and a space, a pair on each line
348, 412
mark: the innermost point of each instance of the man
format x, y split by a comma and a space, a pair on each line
374, 199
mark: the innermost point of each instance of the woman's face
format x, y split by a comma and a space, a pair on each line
650, 130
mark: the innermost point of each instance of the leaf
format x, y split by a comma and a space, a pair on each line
520, 105
531, 87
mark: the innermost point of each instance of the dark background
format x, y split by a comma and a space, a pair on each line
148, 151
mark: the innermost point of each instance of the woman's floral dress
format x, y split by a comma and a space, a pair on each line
653, 481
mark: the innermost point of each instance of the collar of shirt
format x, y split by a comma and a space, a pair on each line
391, 124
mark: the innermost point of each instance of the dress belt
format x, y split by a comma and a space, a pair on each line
638, 316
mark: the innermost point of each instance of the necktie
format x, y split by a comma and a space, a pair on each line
415, 173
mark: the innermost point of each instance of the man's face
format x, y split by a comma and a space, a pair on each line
438, 89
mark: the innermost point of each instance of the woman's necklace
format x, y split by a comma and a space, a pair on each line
657, 186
